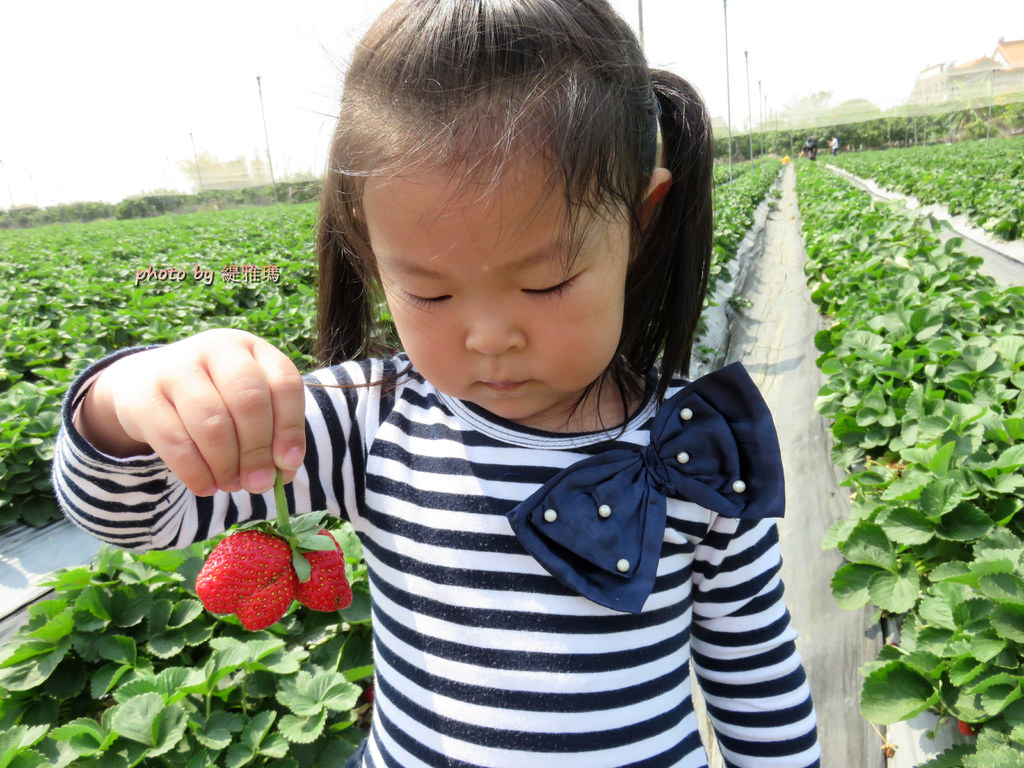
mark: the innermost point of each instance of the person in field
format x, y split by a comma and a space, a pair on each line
557, 524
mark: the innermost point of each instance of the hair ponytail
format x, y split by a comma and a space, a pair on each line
668, 281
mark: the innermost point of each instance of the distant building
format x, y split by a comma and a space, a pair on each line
998, 77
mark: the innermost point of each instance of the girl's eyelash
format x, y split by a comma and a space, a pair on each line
421, 301
554, 290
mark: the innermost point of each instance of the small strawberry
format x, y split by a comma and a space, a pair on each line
250, 574
966, 728
257, 571
327, 588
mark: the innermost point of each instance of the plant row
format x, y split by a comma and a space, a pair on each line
984, 180
924, 366
71, 294
123, 667
735, 204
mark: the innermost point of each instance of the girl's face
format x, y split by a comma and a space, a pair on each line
484, 302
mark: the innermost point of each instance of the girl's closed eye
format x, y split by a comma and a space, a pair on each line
425, 302
554, 290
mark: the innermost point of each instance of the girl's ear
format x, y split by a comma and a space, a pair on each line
660, 184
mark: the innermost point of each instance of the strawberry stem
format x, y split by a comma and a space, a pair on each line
281, 503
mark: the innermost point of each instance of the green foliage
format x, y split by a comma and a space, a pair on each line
71, 294
735, 203
924, 365
983, 180
123, 667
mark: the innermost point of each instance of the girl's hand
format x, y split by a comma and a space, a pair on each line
223, 409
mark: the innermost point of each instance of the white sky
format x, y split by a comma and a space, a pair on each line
97, 99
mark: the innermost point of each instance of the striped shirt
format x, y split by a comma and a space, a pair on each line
481, 657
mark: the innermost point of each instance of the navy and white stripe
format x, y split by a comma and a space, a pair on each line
482, 658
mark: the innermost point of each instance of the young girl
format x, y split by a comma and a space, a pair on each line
555, 524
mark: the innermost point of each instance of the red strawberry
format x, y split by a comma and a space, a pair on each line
250, 574
327, 588
966, 728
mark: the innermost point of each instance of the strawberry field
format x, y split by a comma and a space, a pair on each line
923, 360
122, 666
71, 294
981, 180
924, 365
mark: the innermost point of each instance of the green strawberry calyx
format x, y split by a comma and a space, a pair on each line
302, 532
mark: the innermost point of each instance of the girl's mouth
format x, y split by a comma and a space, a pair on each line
503, 386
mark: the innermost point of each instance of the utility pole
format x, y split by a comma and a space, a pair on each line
750, 114
761, 110
728, 95
991, 98
199, 171
266, 137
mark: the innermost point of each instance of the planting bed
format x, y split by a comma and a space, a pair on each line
924, 364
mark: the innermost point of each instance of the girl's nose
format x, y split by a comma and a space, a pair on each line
492, 333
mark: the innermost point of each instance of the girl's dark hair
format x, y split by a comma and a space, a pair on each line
468, 85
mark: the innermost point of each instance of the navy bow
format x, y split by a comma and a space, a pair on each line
598, 525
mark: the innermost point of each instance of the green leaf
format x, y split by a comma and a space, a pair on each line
106, 678
357, 653
906, 525
894, 692
868, 545
986, 645
245, 750
136, 719
1011, 459
940, 496
118, 648
998, 691
1003, 588
964, 523
1008, 621
184, 612
303, 730
895, 592
83, 735
32, 670
302, 567
218, 730
305, 694
173, 683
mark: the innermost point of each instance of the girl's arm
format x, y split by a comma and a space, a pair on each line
744, 654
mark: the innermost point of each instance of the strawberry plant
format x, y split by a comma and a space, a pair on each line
984, 180
924, 364
123, 667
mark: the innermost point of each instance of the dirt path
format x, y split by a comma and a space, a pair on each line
774, 338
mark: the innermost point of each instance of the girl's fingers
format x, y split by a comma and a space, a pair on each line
242, 386
288, 400
208, 424
264, 395
167, 435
